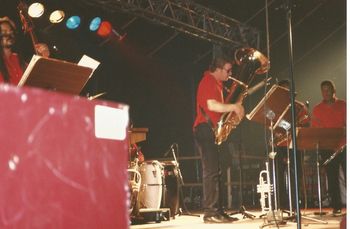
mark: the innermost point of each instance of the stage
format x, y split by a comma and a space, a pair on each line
193, 222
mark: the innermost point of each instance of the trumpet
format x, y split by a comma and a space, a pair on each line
265, 189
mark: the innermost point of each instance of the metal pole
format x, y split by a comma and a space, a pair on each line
292, 98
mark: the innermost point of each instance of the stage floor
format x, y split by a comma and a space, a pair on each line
195, 222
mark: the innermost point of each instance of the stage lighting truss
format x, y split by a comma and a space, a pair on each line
187, 17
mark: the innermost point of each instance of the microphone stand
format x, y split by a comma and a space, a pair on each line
292, 102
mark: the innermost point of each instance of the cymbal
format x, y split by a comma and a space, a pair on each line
96, 96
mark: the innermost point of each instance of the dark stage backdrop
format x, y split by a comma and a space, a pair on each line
160, 88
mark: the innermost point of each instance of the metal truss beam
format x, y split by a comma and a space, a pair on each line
187, 17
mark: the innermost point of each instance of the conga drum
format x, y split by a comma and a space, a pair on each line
171, 187
150, 195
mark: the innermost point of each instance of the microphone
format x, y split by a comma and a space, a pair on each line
270, 114
307, 103
171, 149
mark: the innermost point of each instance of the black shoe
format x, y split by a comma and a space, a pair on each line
337, 212
226, 216
217, 218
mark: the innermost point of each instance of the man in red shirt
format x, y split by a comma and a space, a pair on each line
12, 65
331, 113
210, 106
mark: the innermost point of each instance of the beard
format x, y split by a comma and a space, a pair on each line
8, 41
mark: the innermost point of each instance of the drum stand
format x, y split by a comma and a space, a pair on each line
181, 182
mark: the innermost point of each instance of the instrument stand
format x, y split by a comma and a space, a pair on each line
273, 216
181, 184
242, 209
291, 215
312, 138
320, 213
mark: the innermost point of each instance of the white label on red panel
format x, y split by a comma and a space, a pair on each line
111, 123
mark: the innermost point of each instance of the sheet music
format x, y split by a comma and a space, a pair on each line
89, 62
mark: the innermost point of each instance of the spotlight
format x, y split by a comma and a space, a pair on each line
95, 24
56, 16
105, 29
35, 10
73, 22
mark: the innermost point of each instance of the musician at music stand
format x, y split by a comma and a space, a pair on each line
274, 106
331, 112
317, 139
12, 64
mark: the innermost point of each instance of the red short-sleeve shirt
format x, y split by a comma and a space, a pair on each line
329, 115
209, 88
14, 69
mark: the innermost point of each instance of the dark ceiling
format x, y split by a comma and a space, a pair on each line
155, 69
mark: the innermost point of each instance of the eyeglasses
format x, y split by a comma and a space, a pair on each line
228, 70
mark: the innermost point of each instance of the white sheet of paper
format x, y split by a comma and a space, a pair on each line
89, 62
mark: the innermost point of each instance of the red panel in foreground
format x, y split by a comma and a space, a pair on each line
54, 171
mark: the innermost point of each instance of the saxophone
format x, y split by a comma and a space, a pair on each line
251, 62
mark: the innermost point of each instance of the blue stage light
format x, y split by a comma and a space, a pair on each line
95, 24
73, 22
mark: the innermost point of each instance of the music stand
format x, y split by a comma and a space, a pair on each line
272, 107
56, 75
276, 100
319, 139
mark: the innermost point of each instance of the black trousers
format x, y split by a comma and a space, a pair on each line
332, 170
205, 141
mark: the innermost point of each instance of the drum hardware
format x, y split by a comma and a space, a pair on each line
134, 185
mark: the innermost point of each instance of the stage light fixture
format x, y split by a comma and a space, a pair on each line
95, 24
36, 10
105, 29
73, 22
56, 16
